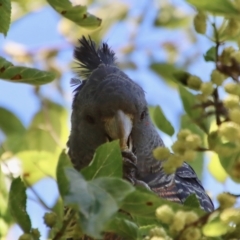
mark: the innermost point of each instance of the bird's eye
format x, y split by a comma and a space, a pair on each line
90, 119
143, 114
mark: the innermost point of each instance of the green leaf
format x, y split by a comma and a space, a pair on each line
97, 200
197, 164
37, 165
17, 204
189, 101
142, 204
109, 184
165, 70
123, 227
144, 230
161, 121
9, 123
5, 16
6, 218
18, 74
48, 131
210, 55
63, 184
107, 162
216, 169
12, 144
230, 162
181, 76
40, 147
192, 201
218, 7
78, 14
173, 19
215, 228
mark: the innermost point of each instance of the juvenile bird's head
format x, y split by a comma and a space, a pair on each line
108, 105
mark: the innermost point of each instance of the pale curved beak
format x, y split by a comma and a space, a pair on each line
120, 127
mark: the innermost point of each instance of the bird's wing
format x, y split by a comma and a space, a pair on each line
184, 183
187, 183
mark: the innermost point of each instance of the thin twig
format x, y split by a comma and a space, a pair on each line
40, 200
215, 93
60, 233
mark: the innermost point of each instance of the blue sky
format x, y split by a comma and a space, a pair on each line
39, 29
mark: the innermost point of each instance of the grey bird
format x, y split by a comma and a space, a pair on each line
108, 105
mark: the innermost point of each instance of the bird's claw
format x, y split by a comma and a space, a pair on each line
129, 169
136, 182
142, 184
129, 159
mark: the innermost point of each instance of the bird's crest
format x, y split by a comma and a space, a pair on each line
90, 57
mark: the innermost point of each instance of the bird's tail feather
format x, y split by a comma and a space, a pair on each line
90, 57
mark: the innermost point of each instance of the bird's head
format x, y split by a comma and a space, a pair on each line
107, 106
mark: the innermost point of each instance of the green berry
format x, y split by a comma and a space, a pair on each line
235, 170
226, 200
201, 97
183, 134
232, 88
200, 22
236, 56
233, 27
178, 221
230, 130
169, 168
191, 233
50, 219
206, 88
191, 217
217, 77
165, 214
230, 215
189, 155
226, 55
35, 233
234, 115
236, 4
157, 231
193, 141
231, 102
161, 153
25, 236
175, 160
157, 238
179, 146
194, 82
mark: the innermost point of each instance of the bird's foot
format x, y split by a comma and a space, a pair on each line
129, 166
129, 159
142, 184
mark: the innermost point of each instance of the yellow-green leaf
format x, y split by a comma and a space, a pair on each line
219, 7
107, 162
215, 228
196, 114
9, 123
77, 14
5, 16
161, 121
62, 181
37, 165
216, 169
17, 204
18, 74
